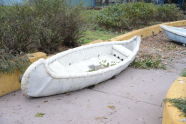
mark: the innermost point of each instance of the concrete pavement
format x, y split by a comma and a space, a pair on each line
133, 97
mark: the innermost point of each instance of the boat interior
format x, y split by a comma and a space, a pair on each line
89, 60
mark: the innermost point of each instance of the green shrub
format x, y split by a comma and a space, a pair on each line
60, 24
41, 25
90, 18
140, 13
17, 29
126, 16
169, 12
112, 17
137, 14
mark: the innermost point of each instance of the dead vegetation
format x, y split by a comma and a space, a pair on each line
157, 52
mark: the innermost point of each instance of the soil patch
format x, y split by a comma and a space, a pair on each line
160, 48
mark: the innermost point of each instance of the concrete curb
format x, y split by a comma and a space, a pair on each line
171, 115
10, 82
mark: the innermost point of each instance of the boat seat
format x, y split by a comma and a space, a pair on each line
122, 50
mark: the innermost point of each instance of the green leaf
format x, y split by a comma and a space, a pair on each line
39, 114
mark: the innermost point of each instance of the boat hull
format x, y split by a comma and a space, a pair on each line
45, 85
38, 82
174, 35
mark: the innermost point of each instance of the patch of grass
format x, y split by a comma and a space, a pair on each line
183, 73
93, 31
148, 62
91, 35
39, 114
179, 103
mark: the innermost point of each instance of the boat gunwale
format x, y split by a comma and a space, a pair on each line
46, 62
67, 52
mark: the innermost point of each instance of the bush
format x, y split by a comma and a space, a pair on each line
17, 29
137, 14
112, 17
169, 12
126, 16
90, 18
41, 25
140, 13
60, 24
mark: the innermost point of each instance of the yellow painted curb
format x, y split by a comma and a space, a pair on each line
144, 32
148, 31
35, 56
10, 82
171, 115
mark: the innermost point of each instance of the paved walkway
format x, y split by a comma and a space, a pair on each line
134, 97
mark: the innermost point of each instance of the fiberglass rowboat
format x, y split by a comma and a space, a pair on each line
174, 33
79, 67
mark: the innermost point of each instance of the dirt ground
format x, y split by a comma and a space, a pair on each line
159, 46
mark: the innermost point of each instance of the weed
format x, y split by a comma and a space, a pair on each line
179, 103
148, 62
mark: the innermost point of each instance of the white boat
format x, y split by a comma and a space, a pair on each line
175, 34
79, 67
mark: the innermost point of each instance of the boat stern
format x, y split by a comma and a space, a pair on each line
34, 78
